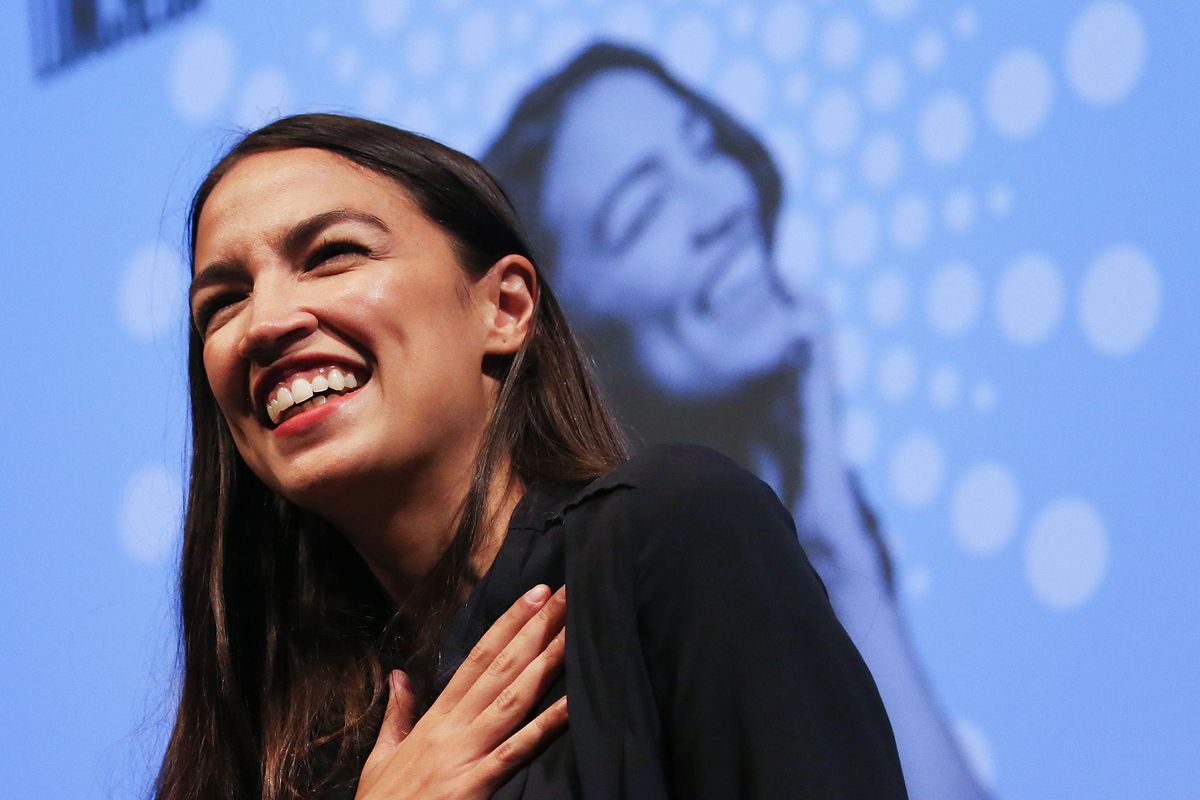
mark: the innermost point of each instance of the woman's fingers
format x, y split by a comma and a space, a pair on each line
810, 317
501, 676
466, 744
518, 748
397, 717
402, 699
513, 702
492, 644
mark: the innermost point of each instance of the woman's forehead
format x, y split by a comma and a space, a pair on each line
280, 186
631, 101
263, 174
613, 121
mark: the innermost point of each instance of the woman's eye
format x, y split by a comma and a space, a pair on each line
630, 208
699, 134
330, 251
211, 311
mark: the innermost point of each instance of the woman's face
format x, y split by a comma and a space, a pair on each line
317, 277
658, 231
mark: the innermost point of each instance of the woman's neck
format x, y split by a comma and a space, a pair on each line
756, 425
402, 527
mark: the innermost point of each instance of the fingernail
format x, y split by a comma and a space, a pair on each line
399, 680
538, 593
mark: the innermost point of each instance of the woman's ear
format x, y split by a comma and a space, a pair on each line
510, 296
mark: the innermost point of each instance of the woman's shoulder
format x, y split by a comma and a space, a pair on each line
680, 499
678, 472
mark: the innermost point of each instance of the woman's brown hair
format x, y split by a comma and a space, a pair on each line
286, 636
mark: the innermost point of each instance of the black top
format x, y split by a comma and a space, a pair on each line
703, 659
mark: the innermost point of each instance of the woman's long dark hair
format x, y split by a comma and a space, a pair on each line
286, 635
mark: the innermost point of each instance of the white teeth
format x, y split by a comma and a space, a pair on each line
281, 402
301, 390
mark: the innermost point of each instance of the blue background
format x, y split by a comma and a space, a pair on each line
1063, 643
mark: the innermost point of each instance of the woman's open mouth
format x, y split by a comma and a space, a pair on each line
308, 390
732, 267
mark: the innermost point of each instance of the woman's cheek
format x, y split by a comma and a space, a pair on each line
219, 366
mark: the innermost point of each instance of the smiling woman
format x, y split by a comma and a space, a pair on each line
397, 452
332, 268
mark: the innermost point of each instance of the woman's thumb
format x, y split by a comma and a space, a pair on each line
398, 718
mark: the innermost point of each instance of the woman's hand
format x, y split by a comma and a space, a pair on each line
828, 516
465, 745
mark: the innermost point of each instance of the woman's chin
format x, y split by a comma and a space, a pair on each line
714, 364
705, 374
320, 489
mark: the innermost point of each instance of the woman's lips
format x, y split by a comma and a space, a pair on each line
308, 389
310, 413
736, 275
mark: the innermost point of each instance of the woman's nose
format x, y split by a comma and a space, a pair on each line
716, 204
703, 167
276, 322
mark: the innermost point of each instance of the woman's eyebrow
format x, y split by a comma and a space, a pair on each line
609, 200
302, 233
215, 273
295, 239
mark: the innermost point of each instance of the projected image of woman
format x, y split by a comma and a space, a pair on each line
655, 211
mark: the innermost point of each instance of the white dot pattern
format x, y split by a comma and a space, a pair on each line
1029, 299
148, 298
915, 471
953, 299
1066, 556
945, 129
201, 74
1019, 94
1119, 301
984, 509
1105, 51
149, 514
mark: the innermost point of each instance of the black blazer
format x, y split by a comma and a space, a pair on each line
703, 660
